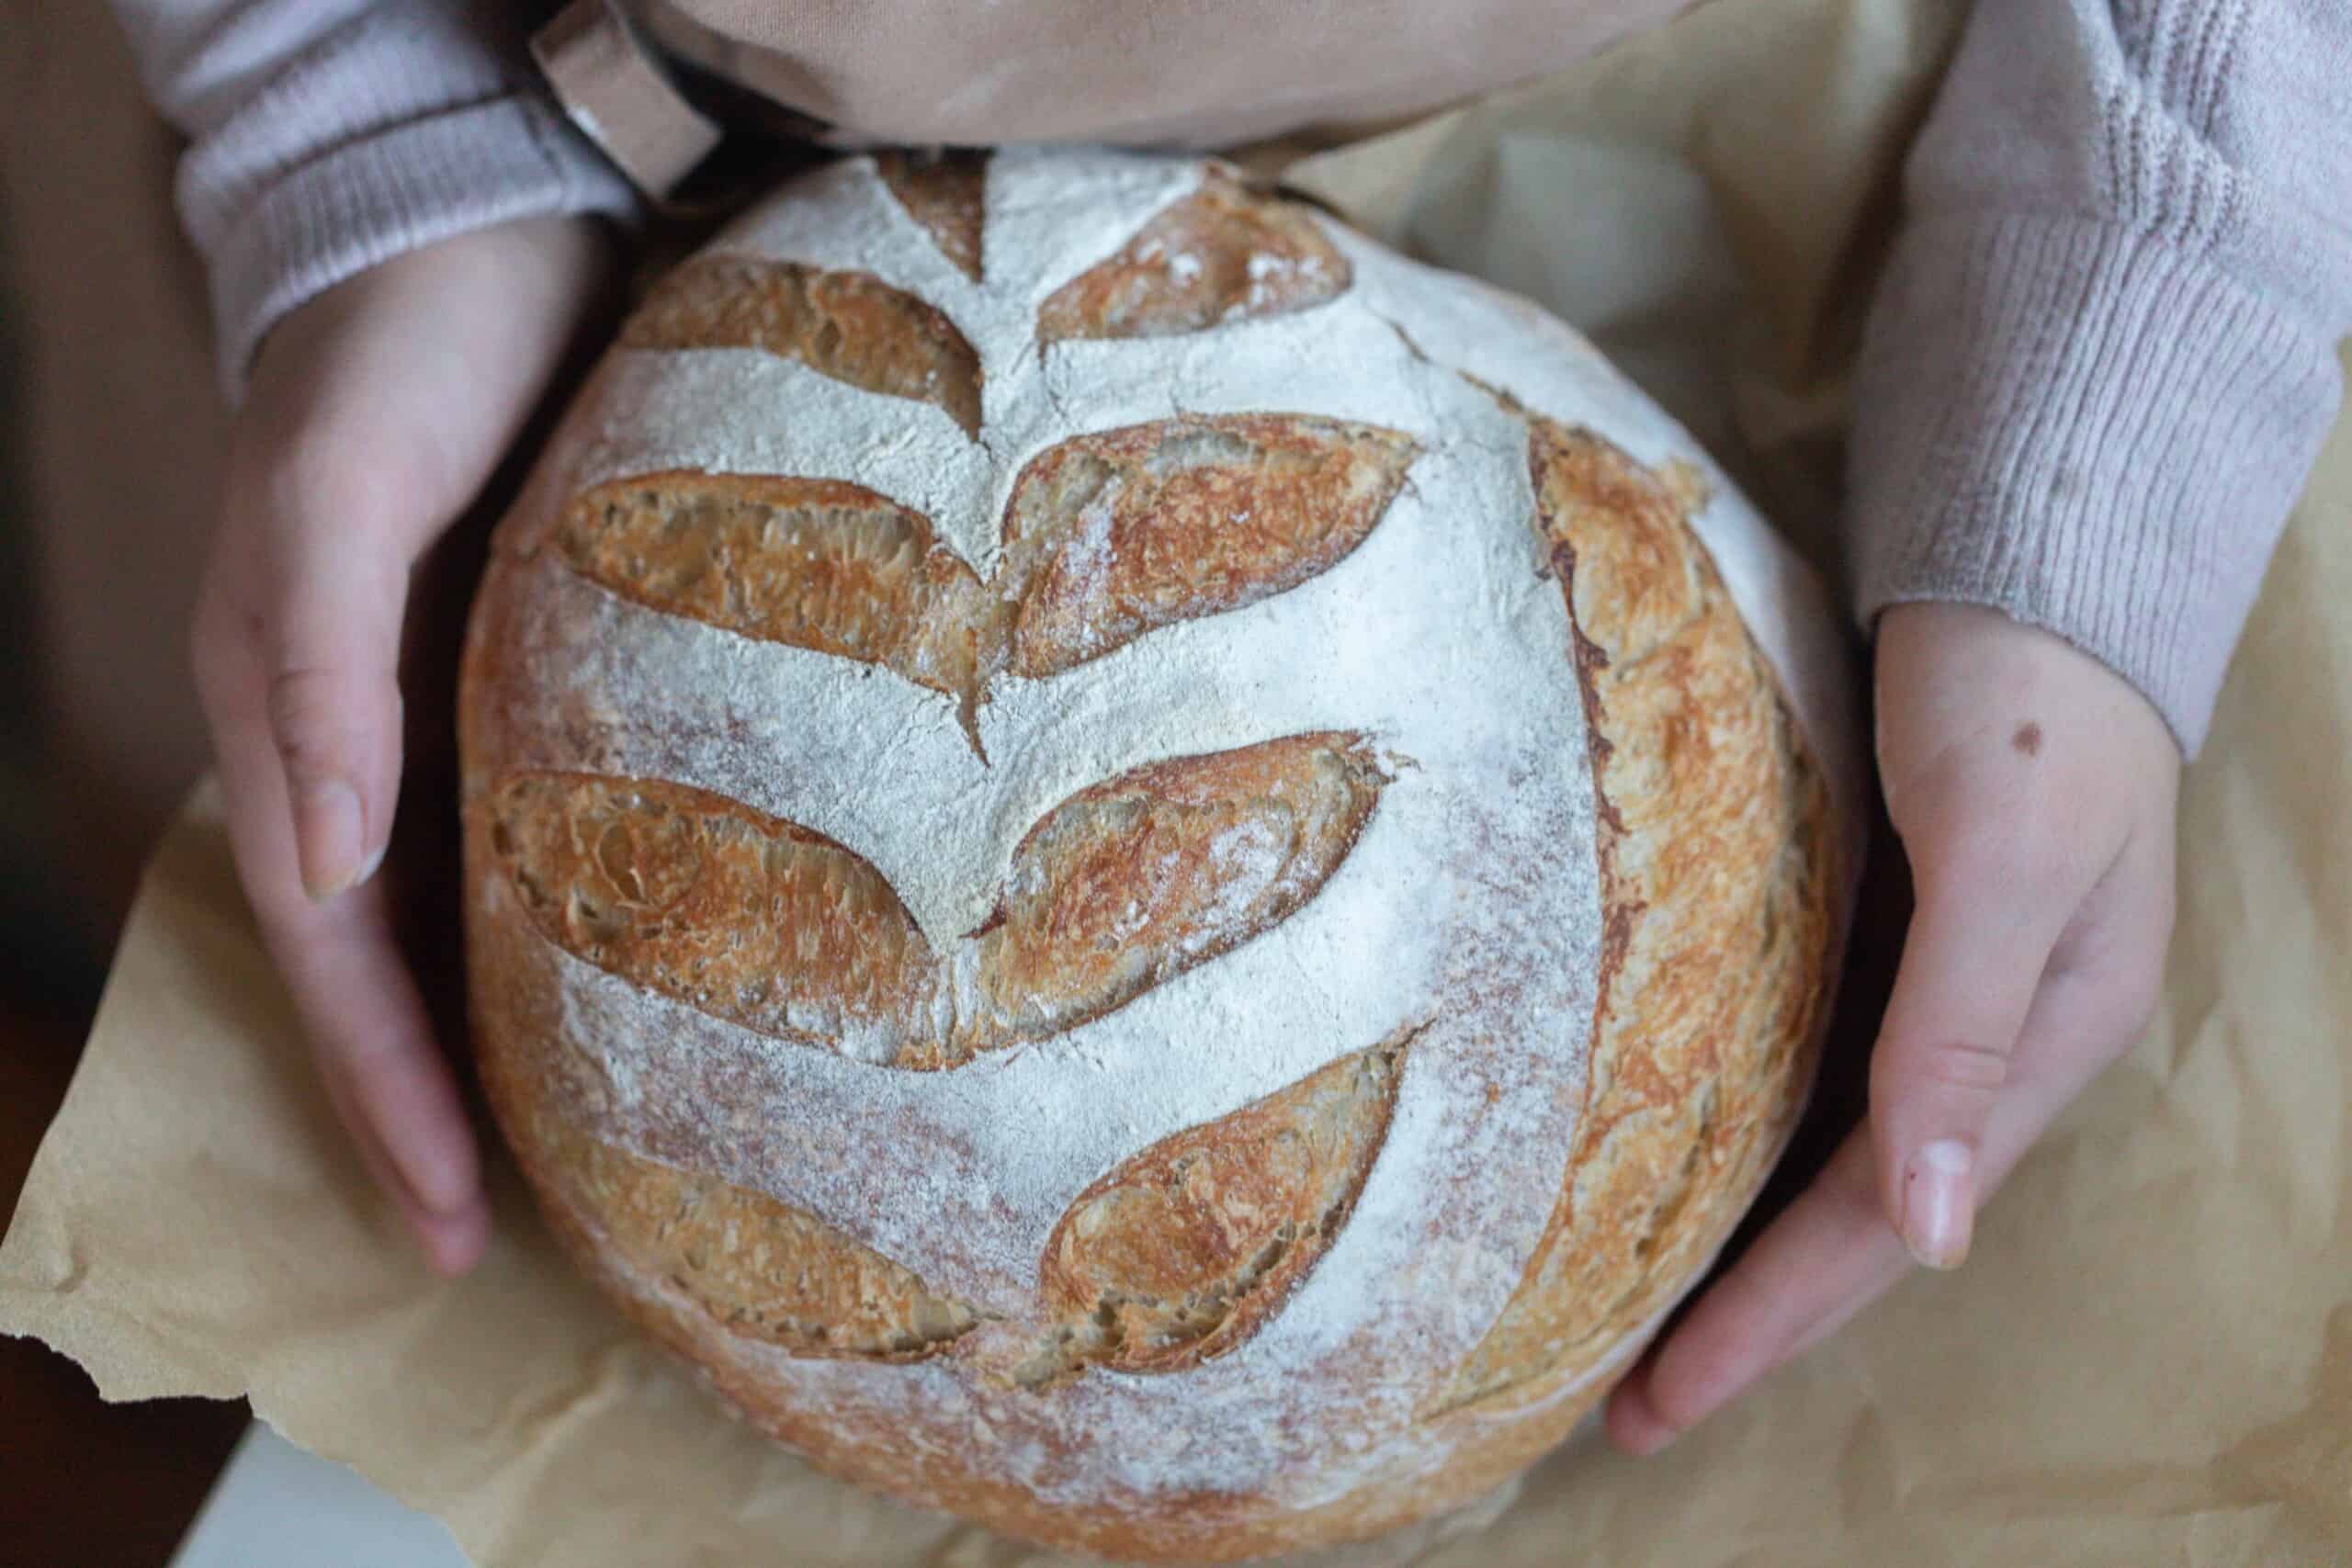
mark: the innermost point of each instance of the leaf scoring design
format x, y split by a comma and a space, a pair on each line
1183, 1251
766, 924
848, 326
757, 1265
1722, 900
814, 563
1226, 253
1108, 536
1120, 532
1128, 884
750, 918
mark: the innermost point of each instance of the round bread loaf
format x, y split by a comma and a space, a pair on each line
1145, 873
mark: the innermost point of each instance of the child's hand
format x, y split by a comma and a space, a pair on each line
2034, 793
376, 411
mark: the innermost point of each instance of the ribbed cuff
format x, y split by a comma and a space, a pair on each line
408, 127
2096, 431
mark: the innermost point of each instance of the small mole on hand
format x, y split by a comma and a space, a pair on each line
2027, 739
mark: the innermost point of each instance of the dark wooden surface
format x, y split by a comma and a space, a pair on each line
83, 1484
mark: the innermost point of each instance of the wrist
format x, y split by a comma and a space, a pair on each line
2095, 432
276, 238
1966, 693
417, 373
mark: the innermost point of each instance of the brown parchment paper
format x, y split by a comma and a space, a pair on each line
2148, 1359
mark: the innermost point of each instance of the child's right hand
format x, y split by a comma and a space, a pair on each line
376, 413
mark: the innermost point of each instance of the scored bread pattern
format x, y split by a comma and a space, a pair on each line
1177, 1254
1113, 535
766, 924
1156, 1269
1107, 537
1092, 868
1136, 879
846, 326
818, 564
757, 1265
1224, 253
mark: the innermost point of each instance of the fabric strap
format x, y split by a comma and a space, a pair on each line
622, 97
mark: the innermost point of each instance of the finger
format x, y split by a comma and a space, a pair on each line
1987, 916
1832, 1253
360, 1011
1829, 1254
381, 1060
337, 545
452, 1241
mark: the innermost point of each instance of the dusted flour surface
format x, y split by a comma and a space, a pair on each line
1187, 746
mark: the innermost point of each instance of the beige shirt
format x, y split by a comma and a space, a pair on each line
1192, 73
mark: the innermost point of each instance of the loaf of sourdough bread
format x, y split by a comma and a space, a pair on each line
1143, 871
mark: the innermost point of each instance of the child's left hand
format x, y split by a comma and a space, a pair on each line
2034, 792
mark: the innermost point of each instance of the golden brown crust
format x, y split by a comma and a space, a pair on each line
1109, 536
962, 1479
814, 563
1716, 884
1182, 1252
744, 917
847, 325
1133, 881
1226, 253
759, 1267
1716, 870
945, 191
761, 922
1114, 534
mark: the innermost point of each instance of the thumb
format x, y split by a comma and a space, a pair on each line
1986, 920
336, 591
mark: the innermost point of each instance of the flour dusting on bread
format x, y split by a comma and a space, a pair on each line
1125, 691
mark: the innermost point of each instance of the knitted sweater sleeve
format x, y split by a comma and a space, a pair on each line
2105, 356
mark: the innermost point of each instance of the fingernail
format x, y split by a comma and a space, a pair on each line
1638, 1430
375, 864
436, 1186
1650, 1436
442, 1182
455, 1242
1938, 1203
329, 834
